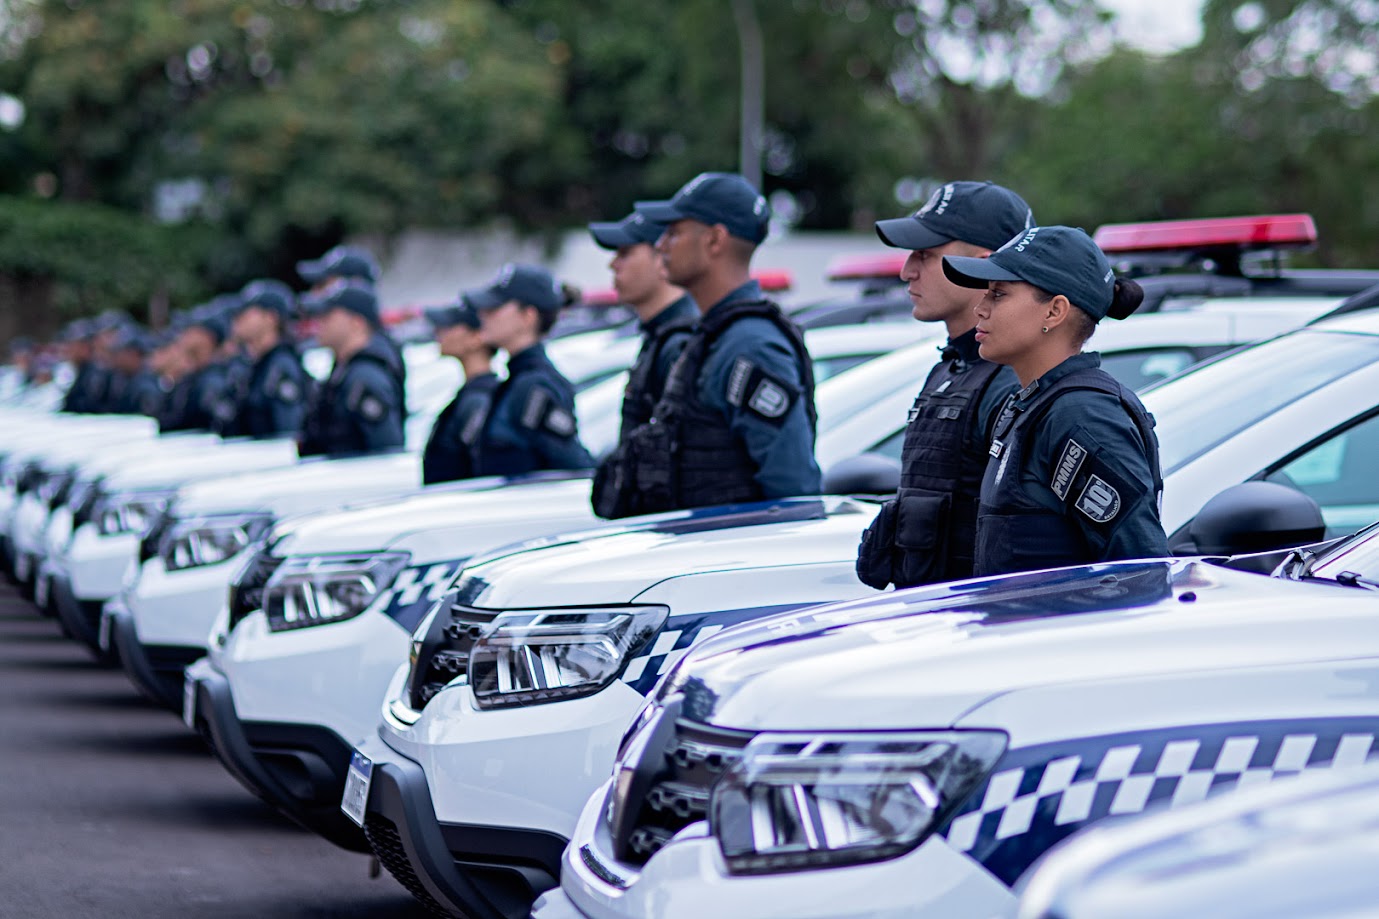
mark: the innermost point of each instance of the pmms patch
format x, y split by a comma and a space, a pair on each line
1071, 460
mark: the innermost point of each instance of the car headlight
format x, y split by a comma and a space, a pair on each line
798, 801
53, 489
309, 590
536, 656
211, 540
130, 512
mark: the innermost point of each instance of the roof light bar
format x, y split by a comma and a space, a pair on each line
866, 267
774, 279
1262, 232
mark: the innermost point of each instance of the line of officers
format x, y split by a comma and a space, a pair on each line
1020, 452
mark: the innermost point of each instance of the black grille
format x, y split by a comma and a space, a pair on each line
83, 510
149, 543
444, 651
246, 591
682, 773
386, 843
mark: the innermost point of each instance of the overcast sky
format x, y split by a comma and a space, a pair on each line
1158, 25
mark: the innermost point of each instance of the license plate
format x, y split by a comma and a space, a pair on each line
23, 566
103, 633
189, 702
41, 591
356, 797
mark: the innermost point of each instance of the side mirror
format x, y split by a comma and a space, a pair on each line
866, 474
1252, 517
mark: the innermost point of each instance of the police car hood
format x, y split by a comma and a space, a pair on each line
227, 458
303, 486
447, 522
923, 658
617, 563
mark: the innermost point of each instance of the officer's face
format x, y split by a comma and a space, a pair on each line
685, 250
935, 298
508, 324
637, 273
336, 328
459, 340
1010, 321
253, 323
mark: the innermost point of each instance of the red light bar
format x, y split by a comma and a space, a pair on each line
865, 267
774, 279
602, 297
1217, 232
396, 315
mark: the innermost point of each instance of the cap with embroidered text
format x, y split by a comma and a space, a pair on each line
349, 294
531, 285
268, 294
979, 213
461, 312
632, 230
1057, 260
713, 198
340, 262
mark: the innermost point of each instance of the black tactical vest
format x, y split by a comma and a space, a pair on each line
942, 463
687, 455
1016, 533
330, 426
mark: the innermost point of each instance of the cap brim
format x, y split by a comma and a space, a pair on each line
444, 317
976, 273
662, 212
311, 270
485, 298
909, 233
611, 235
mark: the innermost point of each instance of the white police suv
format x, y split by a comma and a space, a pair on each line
914, 754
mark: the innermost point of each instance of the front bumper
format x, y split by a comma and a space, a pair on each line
158, 671
81, 619
479, 872
688, 878
97, 565
297, 768
179, 607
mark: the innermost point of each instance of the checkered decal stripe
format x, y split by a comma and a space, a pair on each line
1038, 795
415, 589
680, 634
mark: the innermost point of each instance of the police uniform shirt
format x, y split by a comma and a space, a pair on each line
682, 311
449, 450
360, 408
1086, 460
274, 395
144, 395
753, 378
531, 425
204, 408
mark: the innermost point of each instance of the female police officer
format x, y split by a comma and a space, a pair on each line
531, 425
1073, 476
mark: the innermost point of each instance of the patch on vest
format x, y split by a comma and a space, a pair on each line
1005, 458
560, 422
289, 391
534, 410
1099, 500
1071, 460
757, 391
371, 408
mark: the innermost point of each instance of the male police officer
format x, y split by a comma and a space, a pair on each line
360, 408
928, 532
449, 453
87, 389
667, 315
134, 389
272, 395
192, 405
736, 420
345, 263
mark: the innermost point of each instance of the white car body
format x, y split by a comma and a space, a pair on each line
1095, 692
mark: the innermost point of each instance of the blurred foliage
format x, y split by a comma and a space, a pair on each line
268, 130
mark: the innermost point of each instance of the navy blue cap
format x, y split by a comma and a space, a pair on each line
1057, 260
340, 262
347, 294
110, 320
212, 318
133, 338
270, 295
528, 284
461, 312
979, 213
20, 344
715, 197
632, 230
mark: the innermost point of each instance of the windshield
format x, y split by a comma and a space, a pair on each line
1207, 406
1360, 555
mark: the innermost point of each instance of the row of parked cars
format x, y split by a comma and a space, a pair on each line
516, 706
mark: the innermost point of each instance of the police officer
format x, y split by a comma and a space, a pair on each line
666, 315
87, 389
1073, 475
194, 403
926, 534
134, 389
531, 425
449, 453
346, 263
736, 420
359, 409
271, 397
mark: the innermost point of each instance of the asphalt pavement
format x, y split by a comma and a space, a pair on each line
110, 807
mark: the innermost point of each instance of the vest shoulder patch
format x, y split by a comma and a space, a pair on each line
1099, 501
758, 392
1066, 469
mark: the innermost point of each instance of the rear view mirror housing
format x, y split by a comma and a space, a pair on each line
1252, 517
865, 474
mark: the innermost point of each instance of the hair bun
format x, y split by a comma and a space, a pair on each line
570, 294
1125, 299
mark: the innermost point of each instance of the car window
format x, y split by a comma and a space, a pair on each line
891, 446
1339, 474
827, 367
1138, 369
1207, 406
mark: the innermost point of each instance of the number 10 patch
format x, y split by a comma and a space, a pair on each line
1099, 500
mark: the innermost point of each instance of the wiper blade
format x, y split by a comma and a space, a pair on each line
1355, 579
